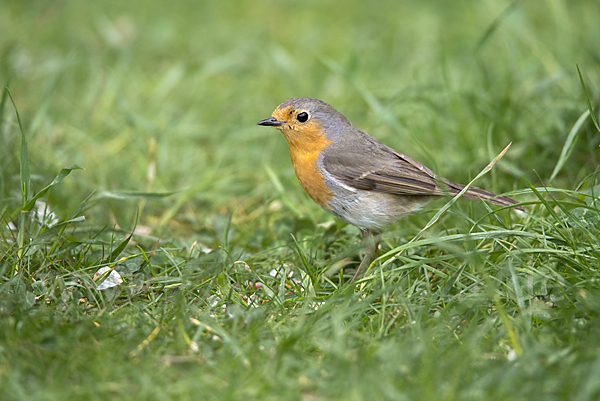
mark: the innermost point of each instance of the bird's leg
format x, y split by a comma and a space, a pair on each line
371, 242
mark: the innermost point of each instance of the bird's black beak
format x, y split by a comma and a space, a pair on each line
271, 122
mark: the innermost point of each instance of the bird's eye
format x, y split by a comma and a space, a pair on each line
302, 117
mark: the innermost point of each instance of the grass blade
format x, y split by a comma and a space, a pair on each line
2, 106
133, 194
25, 180
24, 168
62, 174
568, 146
587, 96
119, 249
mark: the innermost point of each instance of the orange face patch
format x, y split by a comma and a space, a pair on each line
306, 142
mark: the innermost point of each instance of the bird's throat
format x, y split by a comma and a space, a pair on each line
305, 157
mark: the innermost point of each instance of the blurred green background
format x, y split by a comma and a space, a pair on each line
448, 84
162, 98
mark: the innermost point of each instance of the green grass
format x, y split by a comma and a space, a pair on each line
181, 193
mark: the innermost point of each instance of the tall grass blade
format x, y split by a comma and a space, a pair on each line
587, 96
62, 174
24, 167
2, 106
121, 247
568, 146
25, 181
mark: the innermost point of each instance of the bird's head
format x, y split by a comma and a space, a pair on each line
305, 121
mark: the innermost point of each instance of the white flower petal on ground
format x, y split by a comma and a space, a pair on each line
113, 279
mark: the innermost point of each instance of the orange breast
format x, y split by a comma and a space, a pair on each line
305, 149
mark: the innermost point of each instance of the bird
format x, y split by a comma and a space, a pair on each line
355, 177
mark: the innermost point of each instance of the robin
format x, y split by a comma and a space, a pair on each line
355, 177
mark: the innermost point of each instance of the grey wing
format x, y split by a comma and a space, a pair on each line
376, 167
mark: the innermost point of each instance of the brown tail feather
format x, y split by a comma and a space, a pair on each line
481, 194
